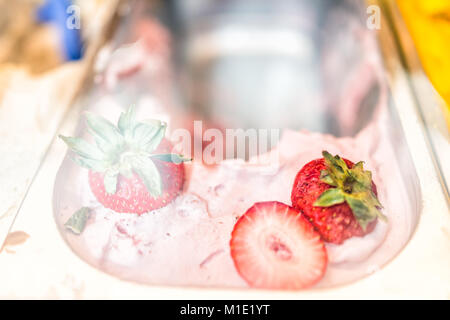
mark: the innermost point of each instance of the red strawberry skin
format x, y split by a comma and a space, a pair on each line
132, 196
336, 223
274, 247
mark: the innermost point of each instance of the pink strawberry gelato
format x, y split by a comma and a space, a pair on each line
187, 242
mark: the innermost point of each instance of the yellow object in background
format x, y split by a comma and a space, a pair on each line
429, 24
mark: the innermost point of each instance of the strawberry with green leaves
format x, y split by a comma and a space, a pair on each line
131, 167
338, 196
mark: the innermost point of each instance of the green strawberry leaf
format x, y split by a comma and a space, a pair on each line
325, 177
381, 216
353, 186
145, 168
77, 222
102, 127
82, 148
336, 167
358, 166
143, 133
330, 198
107, 137
127, 122
150, 145
171, 157
363, 177
375, 200
148, 136
361, 212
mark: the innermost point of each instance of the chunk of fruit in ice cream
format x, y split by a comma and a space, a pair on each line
338, 196
273, 246
131, 168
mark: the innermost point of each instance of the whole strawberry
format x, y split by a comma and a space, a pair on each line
131, 168
338, 197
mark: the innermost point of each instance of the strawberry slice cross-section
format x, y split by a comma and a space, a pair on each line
274, 247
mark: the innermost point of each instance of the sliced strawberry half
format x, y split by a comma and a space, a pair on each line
274, 247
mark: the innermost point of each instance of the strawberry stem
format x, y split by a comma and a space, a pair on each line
353, 186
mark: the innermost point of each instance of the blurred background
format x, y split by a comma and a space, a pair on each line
429, 25
37, 36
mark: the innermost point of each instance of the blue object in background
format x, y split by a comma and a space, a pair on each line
58, 12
